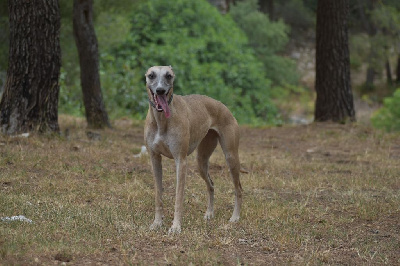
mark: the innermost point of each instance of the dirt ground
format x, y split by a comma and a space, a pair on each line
313, 194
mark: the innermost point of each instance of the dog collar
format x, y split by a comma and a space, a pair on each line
169, 101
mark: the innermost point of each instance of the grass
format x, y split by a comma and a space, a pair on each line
314, 194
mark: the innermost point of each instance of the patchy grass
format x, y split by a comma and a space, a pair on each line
314, 194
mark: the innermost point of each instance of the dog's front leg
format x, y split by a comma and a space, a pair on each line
157, 172
180, 189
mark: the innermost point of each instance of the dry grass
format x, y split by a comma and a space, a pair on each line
314, 194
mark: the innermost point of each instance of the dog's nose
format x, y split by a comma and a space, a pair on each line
160, 91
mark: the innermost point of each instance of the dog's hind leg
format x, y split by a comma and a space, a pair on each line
204, 151
229, 139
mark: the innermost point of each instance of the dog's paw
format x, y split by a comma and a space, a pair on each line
156, 225
234, 219
208, 216
175, 229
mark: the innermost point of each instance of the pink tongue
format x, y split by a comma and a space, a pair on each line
162, 100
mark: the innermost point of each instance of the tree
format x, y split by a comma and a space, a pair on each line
334, 95
381, 21
389, 77
207, 50
267, 7
398, 70
30, 98
268, 39
221, 5
86, 42
365, 8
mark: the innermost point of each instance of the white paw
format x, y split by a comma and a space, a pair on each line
175, 229
208, 215
234, 219
156, 225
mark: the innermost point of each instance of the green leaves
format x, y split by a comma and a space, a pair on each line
388, 117
209, 53
267, 38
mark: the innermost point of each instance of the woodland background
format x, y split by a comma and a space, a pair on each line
315, 193
268, 47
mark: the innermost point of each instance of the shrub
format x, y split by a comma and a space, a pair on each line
388, 117
209, 53
300, 14
267, 38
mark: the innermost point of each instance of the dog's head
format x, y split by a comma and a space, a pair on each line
159, 83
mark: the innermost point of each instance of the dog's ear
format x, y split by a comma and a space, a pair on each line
171, 67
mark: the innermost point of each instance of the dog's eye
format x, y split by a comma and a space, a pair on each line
151, 76
168, 76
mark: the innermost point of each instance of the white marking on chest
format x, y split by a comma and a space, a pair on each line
157, 139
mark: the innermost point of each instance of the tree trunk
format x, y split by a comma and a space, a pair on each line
30, 98
86, 42
389, 78
334, 95
369, 80
398, 70
267, 7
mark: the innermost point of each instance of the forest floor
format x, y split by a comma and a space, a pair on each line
313, 194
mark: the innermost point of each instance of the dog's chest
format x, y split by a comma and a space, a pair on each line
158, 143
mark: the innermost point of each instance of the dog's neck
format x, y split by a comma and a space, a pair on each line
159, 117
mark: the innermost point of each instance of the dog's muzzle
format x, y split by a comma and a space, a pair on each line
160, 102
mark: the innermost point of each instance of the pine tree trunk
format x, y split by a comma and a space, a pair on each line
398, 70
30, 98
389, 78
267, 7
86, 42
334, 95
369, 79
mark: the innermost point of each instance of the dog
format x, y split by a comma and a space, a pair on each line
176, 126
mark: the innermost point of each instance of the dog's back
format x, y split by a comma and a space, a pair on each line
216, 110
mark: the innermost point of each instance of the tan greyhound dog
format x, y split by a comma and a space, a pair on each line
175, 127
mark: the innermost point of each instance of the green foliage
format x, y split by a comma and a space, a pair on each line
376, 36
267, 39
4, 38
111, 30
112, 25
387, 18
359, 50
300, 14
70, 99
209, 54
388, 117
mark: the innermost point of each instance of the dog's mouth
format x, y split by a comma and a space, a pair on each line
161, 103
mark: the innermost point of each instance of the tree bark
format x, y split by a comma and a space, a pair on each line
267, 7
86, 42
30, 98
398, 70
334, 95
389, 78
369, 79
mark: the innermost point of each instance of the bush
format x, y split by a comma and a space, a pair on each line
388, 117
300, 14
209, 53
267, 38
